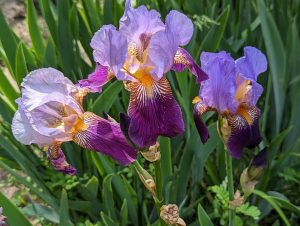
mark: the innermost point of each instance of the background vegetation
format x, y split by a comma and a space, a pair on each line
103, 193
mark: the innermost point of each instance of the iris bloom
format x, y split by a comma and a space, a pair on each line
232, 91
140, 53
50, 112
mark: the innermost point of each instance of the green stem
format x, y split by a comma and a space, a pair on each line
230, 185
158, 182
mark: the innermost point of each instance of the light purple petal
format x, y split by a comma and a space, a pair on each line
179, 26
55, 119
207, 57
58, 160
39, 83
218, 91
184, 60
24, 132
48, 109
95, 80
252, 64
139, 24
162, 50
154, 112
243, 134
248, 90
109, 48
105, 137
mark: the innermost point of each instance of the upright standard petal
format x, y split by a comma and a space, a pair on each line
180, 26
244, 130
110, 48
139, 24
162, 50
184, 60
96, 80
106, 137
40, 83
58, 160
164, 44
252, 64
154, 112
219, 89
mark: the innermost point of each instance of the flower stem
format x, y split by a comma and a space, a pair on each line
158, 181
230, 185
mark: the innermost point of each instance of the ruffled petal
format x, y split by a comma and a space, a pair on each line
252, 64
106, 137
41, 82
179, 26
110, 48
154, 112
244, 130
218, 91
58, 160
139, 24
24, 133
198, 111
96, 80
184, 60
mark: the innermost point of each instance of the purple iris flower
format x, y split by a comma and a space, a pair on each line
232, 91
50, 112
141, 52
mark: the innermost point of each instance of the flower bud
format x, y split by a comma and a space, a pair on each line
147, 180
257, 165
224, 129
170, 215
250, 176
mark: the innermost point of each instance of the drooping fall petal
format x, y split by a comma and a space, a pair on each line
58, 160
184, 60
154, 112
106, 137
244, 130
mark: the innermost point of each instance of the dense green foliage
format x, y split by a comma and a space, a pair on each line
104, 193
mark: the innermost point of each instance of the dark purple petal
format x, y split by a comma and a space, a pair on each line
58, 160
260, 160
154, 112
244, 130
106, 137
96, 80
218, 91
125, 123
252, 64
199, 109
184, 60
